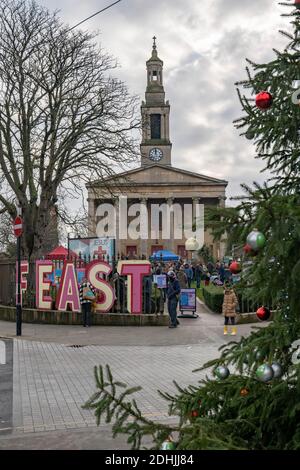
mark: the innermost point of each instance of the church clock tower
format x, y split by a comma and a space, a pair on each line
156, 146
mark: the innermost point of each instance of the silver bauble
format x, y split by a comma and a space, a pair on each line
264, 373
277, 369
256, 240
222, 372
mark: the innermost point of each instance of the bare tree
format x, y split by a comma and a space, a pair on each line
64, 120
7, 239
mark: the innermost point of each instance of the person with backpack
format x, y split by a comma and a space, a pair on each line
87, 295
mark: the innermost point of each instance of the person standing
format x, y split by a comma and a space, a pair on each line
182, 278
189, 274
87, 295
210, 267
222, 273
198, 274
230, 304
173, 292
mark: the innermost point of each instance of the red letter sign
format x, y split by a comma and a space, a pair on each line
135, 270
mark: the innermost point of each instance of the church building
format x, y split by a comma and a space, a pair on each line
156, 180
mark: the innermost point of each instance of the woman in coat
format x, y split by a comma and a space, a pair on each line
230, 304
182, 278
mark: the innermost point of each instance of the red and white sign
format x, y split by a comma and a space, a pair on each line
18, 226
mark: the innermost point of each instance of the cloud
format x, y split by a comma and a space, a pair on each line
203, 46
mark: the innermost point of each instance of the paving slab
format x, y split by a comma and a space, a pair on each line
51, 370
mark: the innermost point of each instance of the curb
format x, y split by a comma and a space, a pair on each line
241, 319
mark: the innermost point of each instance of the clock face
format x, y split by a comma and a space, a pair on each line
155, 155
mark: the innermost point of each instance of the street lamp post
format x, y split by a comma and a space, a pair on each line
192, 245
18, 233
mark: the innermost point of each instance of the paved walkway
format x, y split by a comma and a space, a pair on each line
52, 379
208, 326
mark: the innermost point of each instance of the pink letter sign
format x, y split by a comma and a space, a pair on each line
24, 270
42, 268
68, 289
92, 273
135, 270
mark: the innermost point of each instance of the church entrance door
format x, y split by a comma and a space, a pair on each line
131, 250
181, 251
155, 248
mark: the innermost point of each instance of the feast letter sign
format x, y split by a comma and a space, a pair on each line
42, 268
24, 271
135, 271
68, 292
93, 270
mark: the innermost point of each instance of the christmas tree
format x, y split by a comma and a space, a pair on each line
257, 404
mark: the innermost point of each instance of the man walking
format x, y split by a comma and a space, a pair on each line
173, 292
87, 295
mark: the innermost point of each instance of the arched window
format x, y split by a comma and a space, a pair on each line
154, 75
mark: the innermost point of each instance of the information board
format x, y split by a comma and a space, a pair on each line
187, 300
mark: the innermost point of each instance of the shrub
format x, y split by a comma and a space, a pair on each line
213, 297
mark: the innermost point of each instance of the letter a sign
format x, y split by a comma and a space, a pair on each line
18, 226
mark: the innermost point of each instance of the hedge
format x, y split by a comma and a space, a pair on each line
213, 297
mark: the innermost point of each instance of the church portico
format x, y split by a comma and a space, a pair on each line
155, 187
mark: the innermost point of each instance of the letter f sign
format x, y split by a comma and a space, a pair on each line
2, 353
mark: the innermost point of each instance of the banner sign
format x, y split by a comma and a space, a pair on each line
187, 300
161, 281
100, 248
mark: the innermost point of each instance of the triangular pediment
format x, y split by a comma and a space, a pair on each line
160, 174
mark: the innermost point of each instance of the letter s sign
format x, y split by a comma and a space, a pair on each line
2, 353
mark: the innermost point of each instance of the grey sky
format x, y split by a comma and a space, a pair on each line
203, 44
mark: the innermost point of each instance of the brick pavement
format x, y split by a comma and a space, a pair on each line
53, 380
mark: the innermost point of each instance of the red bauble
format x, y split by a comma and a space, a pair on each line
297, 4
235, 267
263, 313
247, 249
195, 414
264, 100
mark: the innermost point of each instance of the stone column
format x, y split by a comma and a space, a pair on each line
222, 245
91, 217
168, 126
195, 202
117, 228
143, 242
170, 243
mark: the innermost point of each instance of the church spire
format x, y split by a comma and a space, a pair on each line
155, 145
154, 49
154, 42
154, 57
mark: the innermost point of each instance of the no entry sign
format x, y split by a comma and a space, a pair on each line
18, 226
